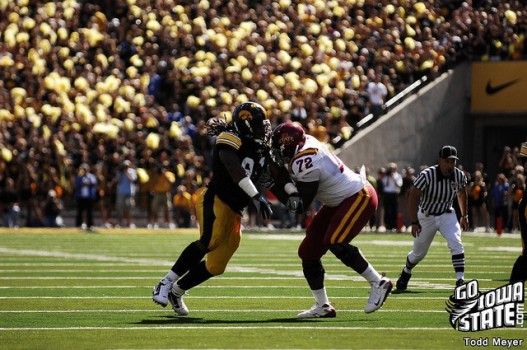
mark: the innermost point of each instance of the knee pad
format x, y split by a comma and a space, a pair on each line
350, 256
215, 269
345, 252
312, 268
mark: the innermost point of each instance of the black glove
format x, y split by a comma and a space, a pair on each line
262, 206
294, 203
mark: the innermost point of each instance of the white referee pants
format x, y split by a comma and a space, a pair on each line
449, 228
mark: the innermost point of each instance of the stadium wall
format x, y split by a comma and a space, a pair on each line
413, 132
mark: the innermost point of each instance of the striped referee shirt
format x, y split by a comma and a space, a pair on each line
438, 191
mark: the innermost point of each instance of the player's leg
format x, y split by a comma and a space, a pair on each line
347, 222
420, 249
224, 241
451, 230
310, 252
192, 254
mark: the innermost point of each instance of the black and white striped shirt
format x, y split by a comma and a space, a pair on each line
438, 192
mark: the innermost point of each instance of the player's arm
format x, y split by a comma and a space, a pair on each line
413, 204
281, 178
462, 201
232, 163
308, 191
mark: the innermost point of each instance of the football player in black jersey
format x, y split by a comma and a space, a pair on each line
519, 270
239, 158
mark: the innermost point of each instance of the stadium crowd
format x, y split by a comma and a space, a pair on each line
94, 83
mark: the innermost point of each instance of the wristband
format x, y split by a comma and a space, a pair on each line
248, 187
289, 188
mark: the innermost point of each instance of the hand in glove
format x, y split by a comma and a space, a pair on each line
262, 206
294, 203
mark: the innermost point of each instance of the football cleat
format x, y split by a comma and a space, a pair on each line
460, 282
317, 311
176, 300
402, 282
379, 293
160, 292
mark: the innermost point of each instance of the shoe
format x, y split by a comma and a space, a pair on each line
460, 282
161, 291
402, 282
178, 305
324, 311
379, 293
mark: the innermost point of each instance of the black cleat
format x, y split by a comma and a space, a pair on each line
402, 282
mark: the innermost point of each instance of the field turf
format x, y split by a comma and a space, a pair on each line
67, 289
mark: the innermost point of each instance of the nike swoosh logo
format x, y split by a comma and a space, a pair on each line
378, 302
491, 90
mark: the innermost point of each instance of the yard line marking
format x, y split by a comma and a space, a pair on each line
179, 327
193, 311
213, 297
46, 253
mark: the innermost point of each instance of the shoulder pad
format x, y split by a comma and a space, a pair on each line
230, 139
306, 152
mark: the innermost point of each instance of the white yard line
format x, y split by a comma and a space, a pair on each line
201, 327
194, 311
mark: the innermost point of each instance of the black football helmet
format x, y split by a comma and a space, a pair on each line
250, 121
287, 139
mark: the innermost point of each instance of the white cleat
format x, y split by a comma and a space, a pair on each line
379, 293
319, 311
160, 292
176, 299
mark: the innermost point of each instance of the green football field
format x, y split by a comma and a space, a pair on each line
66, 289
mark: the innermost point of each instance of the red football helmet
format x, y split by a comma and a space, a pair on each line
287, 139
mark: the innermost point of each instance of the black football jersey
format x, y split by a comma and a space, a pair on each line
253, 159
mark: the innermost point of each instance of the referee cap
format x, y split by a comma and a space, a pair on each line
523, 150
448, 152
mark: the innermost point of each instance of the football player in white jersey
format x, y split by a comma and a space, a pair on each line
348, 202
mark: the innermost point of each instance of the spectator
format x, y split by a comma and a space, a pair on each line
391, 184
9, 203
162, 180
86, 195
506, 162
477, 192
408, 180
517, 188
52, 209
184, 215
377, 92
379, 214
126, 190
500, 201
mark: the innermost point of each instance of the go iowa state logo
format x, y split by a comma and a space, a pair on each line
473, 311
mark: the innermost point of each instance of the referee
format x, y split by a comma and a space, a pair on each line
430, 209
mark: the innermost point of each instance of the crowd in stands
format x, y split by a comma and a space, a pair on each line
86, 85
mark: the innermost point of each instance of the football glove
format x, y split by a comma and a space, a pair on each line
262, 206
294, 203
